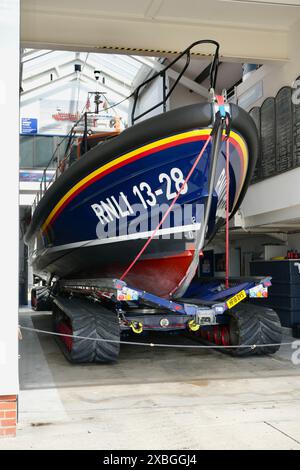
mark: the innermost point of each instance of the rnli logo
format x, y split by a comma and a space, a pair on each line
167, 188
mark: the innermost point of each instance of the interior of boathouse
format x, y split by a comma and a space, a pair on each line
152, 225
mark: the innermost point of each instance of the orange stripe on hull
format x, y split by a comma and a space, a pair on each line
201, 134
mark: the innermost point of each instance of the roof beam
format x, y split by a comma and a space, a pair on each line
29, 56
185, 81
91, 64
190, 84
43, 89
68, 28
204, 74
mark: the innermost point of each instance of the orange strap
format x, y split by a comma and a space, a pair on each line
220, 101
227, 215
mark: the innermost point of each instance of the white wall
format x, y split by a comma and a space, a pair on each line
245, 31
276, 199
182, 96
274, 76
9, 236
273, 200
149, 96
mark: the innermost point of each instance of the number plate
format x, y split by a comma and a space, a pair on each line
236, 299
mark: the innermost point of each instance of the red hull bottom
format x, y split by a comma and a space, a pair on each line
159, 276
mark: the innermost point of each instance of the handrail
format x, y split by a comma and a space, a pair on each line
162, 73
44, 184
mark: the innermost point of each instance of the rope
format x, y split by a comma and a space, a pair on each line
167, 211
160, 345
221, 102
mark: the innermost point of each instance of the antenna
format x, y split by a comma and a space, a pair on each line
97, 94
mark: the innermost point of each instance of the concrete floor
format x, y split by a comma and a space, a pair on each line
154, 398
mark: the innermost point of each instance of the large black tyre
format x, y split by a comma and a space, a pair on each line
254, 325
89, 320
41, 299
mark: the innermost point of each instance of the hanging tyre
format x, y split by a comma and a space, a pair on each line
254, 325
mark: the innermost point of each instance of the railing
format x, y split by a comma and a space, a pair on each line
85, 124
45, 181
163, 73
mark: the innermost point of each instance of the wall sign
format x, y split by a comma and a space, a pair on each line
29, 126
250, 96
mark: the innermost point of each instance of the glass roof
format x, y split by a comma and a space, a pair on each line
69, 76
118, 72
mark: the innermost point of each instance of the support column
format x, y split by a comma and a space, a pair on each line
9, 233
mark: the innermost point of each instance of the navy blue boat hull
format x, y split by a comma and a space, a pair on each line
99, 222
